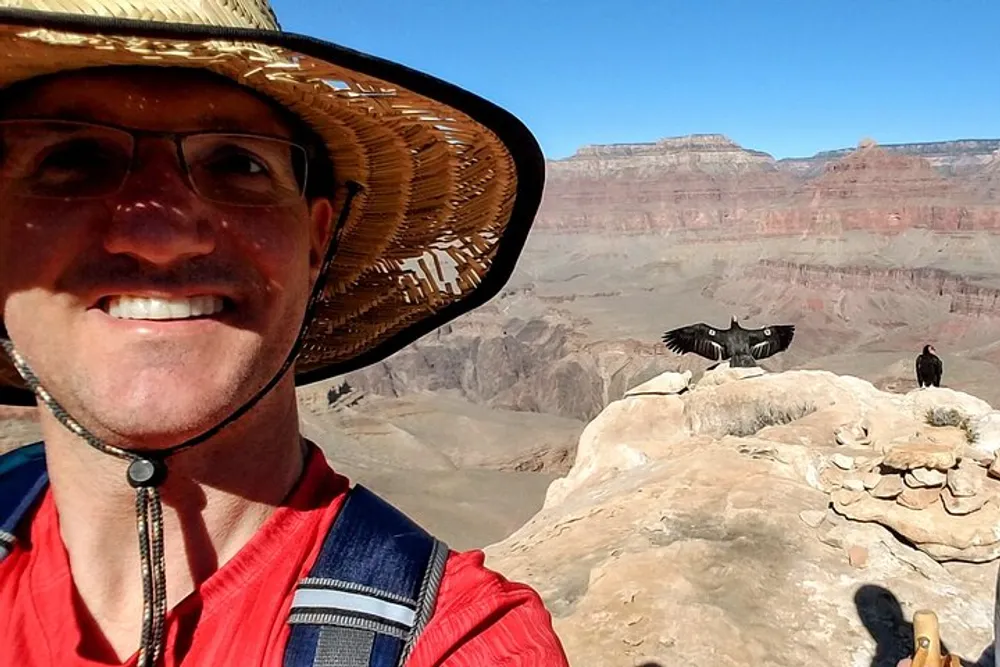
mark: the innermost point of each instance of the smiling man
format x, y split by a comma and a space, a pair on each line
195, 217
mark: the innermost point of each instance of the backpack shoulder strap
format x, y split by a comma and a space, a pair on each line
23, 478
370, 593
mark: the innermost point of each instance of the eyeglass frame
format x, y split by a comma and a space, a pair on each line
308, 151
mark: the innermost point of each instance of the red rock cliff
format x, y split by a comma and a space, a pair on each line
966, 297
707, 186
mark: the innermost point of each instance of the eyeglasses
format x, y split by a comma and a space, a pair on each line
57, 159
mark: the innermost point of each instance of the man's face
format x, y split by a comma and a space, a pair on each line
84, 282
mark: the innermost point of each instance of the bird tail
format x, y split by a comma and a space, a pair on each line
742, 360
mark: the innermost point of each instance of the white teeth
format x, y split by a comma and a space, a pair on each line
151, 308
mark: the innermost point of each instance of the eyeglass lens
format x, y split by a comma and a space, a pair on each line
68, 160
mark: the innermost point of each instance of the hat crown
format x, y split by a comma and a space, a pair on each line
255, 14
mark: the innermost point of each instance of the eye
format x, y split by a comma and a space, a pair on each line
234, 160
77, 154
78, 163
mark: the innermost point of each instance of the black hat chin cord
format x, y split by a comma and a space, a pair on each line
148, 469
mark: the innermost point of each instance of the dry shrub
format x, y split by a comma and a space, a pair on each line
951, 417
742, 418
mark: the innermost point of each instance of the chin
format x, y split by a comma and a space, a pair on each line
162, 421
157, 411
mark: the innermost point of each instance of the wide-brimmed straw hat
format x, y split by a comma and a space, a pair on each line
450, 182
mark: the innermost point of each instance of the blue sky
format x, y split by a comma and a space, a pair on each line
789, 78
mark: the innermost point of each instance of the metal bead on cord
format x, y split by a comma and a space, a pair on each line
147, 470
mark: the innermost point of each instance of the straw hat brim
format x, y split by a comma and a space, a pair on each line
450, 182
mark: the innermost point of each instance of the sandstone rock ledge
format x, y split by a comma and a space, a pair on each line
796, 518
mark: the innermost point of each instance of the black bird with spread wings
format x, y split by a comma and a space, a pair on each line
741, 347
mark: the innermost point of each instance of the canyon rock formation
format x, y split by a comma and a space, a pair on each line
871, 251
542, 364
707, 186
760, 519
948, 157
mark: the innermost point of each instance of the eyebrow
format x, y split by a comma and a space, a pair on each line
215, 121
207, 120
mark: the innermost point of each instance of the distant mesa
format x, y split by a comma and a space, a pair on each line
664, 146
938, 152
694, 155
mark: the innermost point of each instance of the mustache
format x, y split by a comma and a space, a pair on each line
123, 271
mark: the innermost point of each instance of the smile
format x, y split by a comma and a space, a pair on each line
125, 307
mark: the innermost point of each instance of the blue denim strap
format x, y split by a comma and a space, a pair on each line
370, 592
23, 479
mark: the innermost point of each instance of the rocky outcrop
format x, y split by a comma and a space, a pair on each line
709, 526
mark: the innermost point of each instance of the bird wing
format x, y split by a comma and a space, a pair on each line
768, 341
697, 338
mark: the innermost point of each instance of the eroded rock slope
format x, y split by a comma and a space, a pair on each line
748, 520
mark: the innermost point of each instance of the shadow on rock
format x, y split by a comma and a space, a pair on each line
987, 659
880, 611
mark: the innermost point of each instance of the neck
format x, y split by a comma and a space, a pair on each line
215, 497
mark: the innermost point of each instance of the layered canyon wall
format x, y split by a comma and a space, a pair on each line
948, 157
708, 186
967, 298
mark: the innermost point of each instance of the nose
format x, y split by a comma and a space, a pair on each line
157, 217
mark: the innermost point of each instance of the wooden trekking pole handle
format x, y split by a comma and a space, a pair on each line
927, 642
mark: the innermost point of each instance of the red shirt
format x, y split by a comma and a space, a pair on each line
238, 615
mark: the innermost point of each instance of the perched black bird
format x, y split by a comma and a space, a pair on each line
741, 347
929, 368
